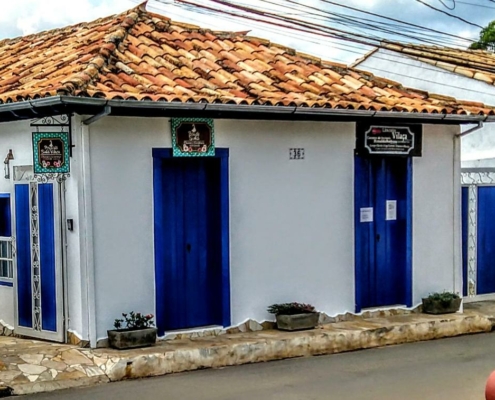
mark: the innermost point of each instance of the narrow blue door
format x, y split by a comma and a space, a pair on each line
486, 240
188, 220
36, 268
382, 229
465, 235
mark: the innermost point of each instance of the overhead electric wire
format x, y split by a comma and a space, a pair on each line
409, 33
365, 24
359, 47
294, 24
394, 19
316, 29
305, 27
449, 14
446, 6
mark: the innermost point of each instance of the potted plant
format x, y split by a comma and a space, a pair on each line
441, 303
294, 316
138, 331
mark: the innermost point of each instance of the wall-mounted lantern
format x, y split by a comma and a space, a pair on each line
6, 162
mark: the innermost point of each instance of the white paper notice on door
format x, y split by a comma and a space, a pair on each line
391, 210
366, 214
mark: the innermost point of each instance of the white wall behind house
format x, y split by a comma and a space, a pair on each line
292, 229
419, 75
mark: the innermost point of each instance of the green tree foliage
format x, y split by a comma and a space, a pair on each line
487, 38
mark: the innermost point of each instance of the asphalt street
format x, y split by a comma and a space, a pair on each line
452, 369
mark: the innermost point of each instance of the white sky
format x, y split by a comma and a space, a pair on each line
20, 17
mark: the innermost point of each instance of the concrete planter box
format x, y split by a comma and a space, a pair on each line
297, 322
130, 339
436, 307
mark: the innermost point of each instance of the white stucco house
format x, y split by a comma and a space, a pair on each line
201, 176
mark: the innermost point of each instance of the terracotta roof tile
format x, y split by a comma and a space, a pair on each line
138, 55
476, 64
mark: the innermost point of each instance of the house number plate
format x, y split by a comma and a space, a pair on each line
296, 153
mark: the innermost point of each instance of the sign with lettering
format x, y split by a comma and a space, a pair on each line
392, 140
193, 137
51, 153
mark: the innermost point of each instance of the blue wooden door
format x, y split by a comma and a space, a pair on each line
38, 262
486, 240
382, 231
189, 218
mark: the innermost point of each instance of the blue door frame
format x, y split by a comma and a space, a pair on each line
369, 180
163, 236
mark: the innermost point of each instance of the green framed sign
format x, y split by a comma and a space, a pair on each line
193, 137
51, 152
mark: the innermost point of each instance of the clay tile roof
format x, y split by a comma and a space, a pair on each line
476, 64
138, 55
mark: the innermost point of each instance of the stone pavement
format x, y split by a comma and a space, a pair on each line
30, 366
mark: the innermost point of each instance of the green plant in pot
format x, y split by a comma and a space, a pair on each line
131, 331
294, 316
441, 303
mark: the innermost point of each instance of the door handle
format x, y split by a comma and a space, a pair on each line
188, 247
377, 237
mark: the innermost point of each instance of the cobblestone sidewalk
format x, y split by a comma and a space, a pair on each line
30, 366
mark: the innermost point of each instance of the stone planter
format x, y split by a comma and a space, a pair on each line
297, 322
436, 307
131, 338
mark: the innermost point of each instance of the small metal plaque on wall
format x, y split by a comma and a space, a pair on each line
193, 137
51, 153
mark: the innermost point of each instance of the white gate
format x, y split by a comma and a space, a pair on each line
478, 232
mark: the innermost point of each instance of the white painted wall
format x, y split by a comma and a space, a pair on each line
436, 214
7, 306
292, 229
78, 318
284, 242
419, 75
18, 137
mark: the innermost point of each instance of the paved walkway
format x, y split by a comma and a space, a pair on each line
29, 366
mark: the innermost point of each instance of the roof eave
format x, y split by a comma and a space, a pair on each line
57, 105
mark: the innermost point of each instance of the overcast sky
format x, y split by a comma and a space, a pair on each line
21, 17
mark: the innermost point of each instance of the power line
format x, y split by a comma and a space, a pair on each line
489, 67
394, 19
450, 15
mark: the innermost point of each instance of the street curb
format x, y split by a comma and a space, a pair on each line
49, 386
323, 341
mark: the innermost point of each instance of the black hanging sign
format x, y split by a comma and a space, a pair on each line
389, 140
